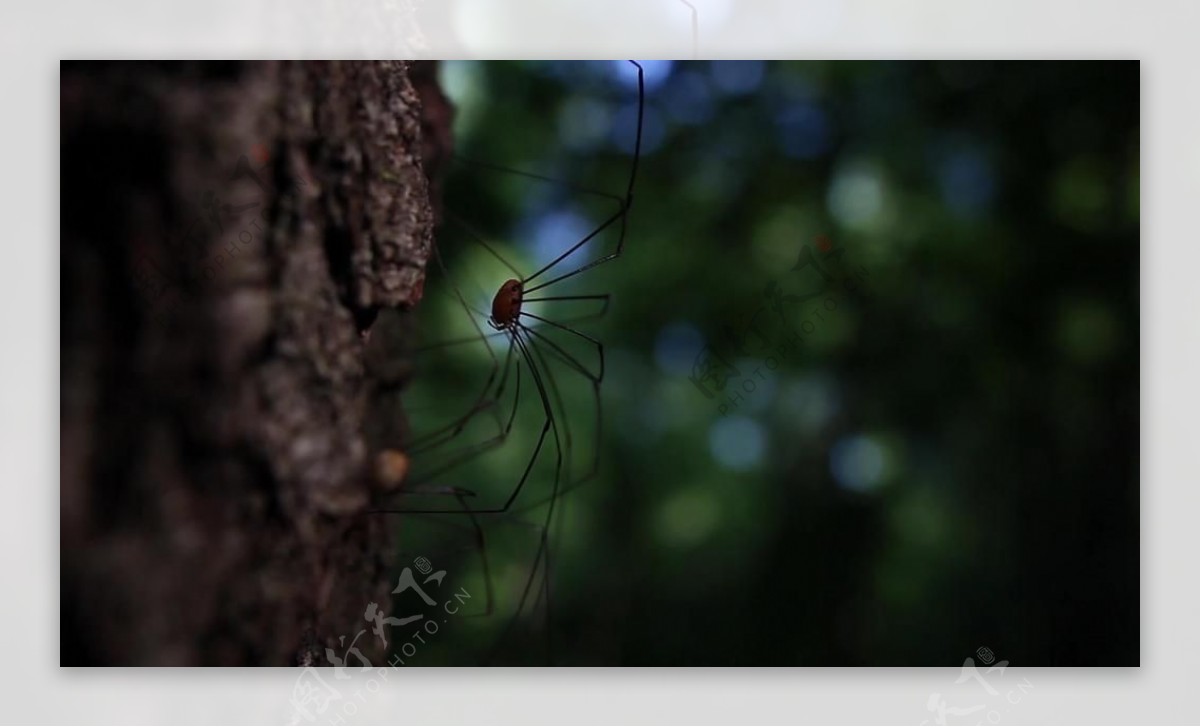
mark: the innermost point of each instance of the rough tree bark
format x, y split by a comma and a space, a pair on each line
229, 232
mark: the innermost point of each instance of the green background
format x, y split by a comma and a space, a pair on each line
949, 458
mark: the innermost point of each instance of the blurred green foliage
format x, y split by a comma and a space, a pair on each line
951, 458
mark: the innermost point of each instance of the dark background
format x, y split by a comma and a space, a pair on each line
948, 460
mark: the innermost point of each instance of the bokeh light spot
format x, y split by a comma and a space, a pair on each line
856, 196
858, 463
737, 443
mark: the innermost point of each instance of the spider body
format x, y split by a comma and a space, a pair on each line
506, 306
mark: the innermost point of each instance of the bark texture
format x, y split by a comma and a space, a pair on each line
229, 233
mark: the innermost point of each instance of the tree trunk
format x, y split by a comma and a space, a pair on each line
229, 233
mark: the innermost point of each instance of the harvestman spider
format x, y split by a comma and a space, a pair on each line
535, 349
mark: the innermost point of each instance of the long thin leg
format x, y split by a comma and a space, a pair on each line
604, 297
482, 242
571, 486
480, 546
555, 394
544, 598
532, 349
463, 453
540, 177
458, 341
551, 424
618, 215
479, 404
471, 450
454, 428
599, 416
525, 348
574, 364
451, 430
546, 589
485, 402
621, 213
540, 565
528, 466
599, 347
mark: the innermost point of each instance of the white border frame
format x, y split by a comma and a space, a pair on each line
34, 36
